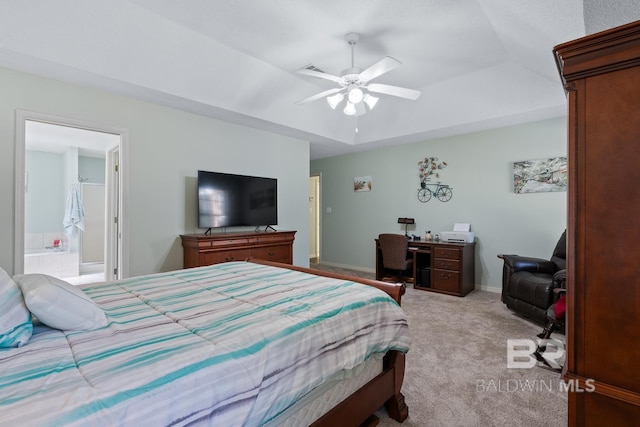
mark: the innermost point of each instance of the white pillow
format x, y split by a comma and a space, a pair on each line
59, 304
15, 320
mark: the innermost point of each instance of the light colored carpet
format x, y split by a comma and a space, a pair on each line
456, 371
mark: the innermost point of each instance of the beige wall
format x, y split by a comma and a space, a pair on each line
480, 170
166, 149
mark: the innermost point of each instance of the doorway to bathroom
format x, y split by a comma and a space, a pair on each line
71, 200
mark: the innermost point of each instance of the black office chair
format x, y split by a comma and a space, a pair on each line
395, 255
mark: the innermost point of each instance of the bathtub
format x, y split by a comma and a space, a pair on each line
45, 251
54, 262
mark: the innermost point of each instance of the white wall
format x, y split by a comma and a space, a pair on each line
45, 193
167, 147
480, 170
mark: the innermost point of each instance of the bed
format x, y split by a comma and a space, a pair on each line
240, 343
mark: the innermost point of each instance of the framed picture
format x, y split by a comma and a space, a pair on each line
541, 175
362, 183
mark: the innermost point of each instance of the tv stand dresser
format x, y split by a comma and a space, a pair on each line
200, 249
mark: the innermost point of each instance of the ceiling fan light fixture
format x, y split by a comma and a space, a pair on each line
355, 84
349, 109
355, 95
371, 100
334, 100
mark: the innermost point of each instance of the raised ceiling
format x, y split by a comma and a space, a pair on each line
479, 63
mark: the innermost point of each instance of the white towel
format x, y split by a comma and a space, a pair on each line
74, 212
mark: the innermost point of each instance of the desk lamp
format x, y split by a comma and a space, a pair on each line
406, 222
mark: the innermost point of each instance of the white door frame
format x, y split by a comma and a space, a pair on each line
317, 229
20, 169
113, 239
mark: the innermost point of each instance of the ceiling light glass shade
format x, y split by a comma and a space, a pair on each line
350, 109
371, 101
355, 95
334, 100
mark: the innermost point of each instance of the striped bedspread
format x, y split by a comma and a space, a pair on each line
224, 345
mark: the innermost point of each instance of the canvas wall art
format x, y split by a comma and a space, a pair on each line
540, 175
362, 183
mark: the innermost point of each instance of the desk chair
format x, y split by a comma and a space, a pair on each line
395, 254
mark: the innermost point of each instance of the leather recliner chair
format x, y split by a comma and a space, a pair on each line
528, 283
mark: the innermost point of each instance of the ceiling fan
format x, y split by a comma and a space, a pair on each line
355, 84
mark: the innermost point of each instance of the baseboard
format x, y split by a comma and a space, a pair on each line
349, 267
493, 289
486, 288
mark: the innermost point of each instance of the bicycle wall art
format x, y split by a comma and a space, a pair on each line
429, 168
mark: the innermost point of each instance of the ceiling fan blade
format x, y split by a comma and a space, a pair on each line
325, 76
385, 65
394, 91
320, 95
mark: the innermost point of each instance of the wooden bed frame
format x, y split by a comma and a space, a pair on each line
384, 389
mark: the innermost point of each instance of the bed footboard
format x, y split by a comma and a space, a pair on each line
394, 290
384, 389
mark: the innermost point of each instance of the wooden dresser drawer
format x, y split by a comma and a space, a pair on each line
446, 264
445, 280
224, 256
225, 243
271, 253
447, 253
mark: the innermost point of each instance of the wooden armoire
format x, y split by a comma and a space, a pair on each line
601, 73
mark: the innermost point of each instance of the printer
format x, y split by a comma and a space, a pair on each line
460, 234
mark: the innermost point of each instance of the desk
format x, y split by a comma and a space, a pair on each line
447, 268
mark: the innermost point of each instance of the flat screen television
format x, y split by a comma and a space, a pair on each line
228, 200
